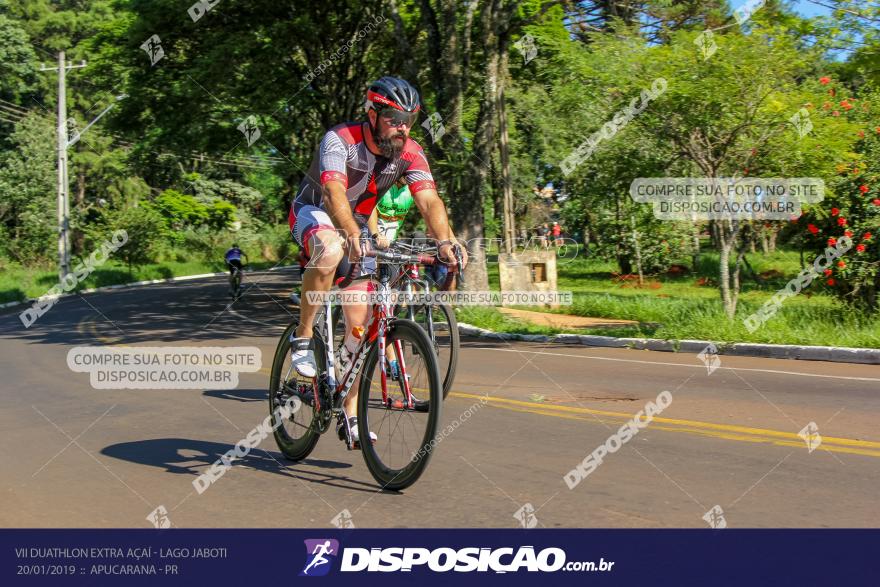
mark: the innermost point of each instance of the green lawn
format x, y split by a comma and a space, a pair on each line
675, 307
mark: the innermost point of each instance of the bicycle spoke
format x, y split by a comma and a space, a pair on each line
400, 452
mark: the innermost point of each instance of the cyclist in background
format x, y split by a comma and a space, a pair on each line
389, 213
233, 260
384, 224
386, 219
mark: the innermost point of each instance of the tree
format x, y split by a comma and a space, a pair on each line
145, 228
180, 210
19, 64
27, 191
734, 128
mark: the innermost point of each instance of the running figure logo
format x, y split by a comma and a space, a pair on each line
319, 554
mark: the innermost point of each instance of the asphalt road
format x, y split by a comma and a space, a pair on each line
527, 414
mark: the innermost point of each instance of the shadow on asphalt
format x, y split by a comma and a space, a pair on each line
185, 312
184, 456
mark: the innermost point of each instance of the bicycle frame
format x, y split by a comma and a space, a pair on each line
237, 273
380, 316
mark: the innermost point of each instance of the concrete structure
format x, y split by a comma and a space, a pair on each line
528, 271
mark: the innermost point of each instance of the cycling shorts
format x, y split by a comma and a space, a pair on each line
311, 219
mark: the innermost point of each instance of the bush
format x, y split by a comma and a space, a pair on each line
660, 241
851, 209
180, 210
146, 230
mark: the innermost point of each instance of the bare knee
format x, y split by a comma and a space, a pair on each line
326, 252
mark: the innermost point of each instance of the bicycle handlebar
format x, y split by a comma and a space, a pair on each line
400, 258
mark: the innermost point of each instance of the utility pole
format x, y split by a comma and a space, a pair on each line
63, 193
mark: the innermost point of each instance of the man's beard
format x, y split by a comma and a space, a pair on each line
389, 148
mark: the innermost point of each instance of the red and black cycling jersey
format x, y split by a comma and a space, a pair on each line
343, 156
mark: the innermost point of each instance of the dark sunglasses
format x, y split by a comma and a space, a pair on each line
394, 117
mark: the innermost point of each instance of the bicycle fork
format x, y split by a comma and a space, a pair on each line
401, 362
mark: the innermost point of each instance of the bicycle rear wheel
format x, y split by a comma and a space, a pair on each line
443, 333
406, 437
297, 434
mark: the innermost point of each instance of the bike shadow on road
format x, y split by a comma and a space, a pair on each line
184, 456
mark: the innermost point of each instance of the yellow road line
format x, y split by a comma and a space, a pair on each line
89, 323
723, 431
706, 429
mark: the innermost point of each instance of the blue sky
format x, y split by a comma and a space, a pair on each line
802, 7
810, 9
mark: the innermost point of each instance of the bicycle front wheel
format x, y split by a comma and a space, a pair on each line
405, 435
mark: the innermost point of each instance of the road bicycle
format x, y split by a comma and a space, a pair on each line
436, 318
235, 283
385, 404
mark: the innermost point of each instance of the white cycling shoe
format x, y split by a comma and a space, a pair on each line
303, 357
355, 435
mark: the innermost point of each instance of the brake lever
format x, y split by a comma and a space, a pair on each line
459, 258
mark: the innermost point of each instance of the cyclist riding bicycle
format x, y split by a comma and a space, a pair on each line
233, 260
388, 215
353, 164
384, 222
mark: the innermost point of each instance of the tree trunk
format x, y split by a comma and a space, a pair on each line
726, 235
468, 209
504, 143
410, 69
497, 198
595, 235
79, 237
623, 260
635, 237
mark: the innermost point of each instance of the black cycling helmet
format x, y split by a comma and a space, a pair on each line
393, 92
234, 245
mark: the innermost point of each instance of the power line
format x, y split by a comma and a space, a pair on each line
13, 106
17, 117
190, 156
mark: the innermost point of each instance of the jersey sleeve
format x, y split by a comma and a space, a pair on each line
418, 173
332, 159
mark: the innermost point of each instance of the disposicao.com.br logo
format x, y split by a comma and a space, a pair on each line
445, 559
